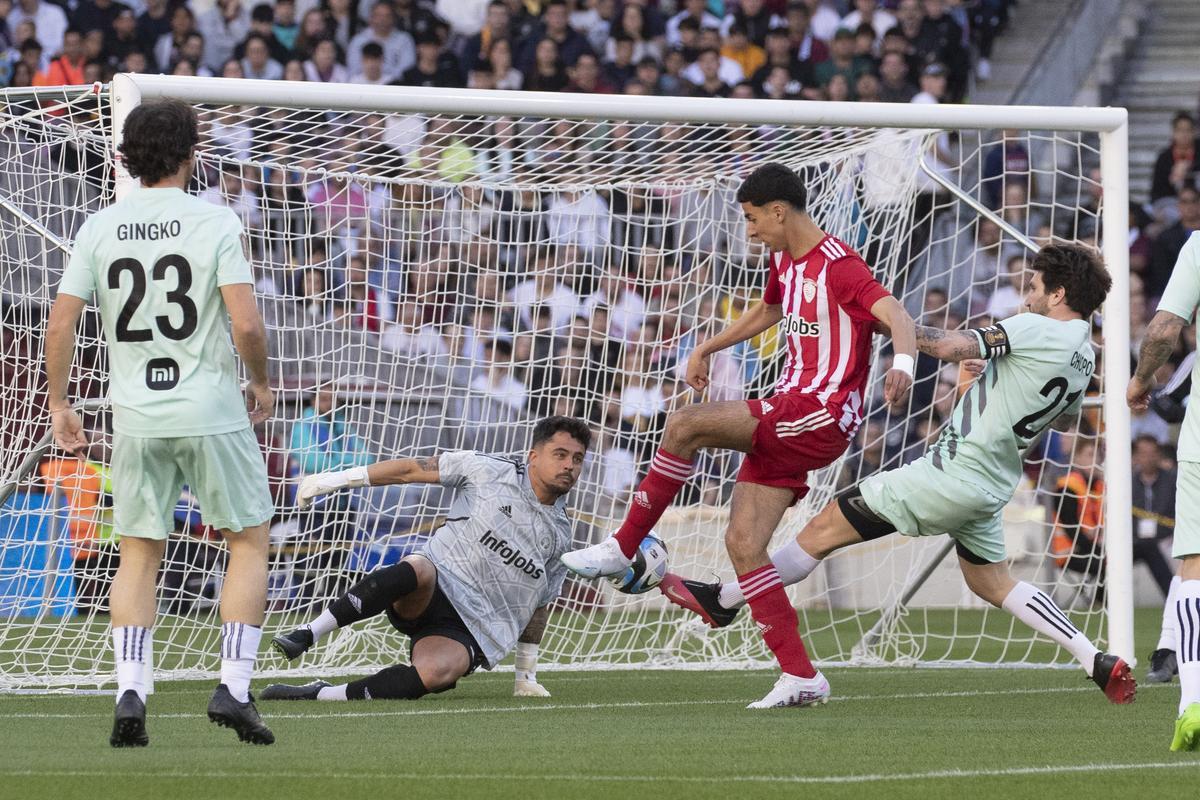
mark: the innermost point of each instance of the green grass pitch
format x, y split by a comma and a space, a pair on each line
900, 733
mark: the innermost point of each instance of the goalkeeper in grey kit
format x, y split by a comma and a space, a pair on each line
479, 588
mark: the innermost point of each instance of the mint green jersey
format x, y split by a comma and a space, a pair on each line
154, 261
1038, 368
1181, 297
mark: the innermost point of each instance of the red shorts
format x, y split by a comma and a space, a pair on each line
796, 434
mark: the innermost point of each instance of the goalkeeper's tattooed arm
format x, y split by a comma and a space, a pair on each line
525, 683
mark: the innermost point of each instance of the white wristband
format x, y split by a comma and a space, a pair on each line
356, 476
903, 362
526, 662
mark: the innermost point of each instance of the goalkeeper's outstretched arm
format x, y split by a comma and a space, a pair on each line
525, 683
381, 473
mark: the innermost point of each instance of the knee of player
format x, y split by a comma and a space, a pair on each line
440, 676
741, 545
423, 569
681, 430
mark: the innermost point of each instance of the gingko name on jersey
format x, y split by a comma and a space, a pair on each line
151, 231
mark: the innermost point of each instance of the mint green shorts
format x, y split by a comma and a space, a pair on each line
225, 471
1187, 511
921, 500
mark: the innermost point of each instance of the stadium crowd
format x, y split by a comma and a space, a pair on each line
571, 323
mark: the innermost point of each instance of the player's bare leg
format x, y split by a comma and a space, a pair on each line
132, 607
993, 583
718, 603
414, 575
727, 425
243, 604
1187, 611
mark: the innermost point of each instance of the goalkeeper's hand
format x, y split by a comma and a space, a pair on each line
529, 688
323, 483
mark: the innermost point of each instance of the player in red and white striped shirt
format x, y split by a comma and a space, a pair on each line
828, 302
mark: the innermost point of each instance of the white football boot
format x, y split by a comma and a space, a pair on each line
597, 561
792, 690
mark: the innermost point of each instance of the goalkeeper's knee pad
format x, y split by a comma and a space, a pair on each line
374, 593
393, 683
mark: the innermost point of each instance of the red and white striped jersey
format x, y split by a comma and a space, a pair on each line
826, 296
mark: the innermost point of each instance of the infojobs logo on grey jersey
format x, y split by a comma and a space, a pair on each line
511, 555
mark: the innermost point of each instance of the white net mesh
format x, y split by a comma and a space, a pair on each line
441, 282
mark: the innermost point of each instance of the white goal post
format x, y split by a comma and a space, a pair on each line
484, 187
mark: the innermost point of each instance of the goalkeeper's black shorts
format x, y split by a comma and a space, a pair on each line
439, 619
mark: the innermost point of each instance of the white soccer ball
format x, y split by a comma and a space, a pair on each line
648, 567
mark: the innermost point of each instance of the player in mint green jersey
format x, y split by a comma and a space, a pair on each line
169, 275
1038, 365
1177, 309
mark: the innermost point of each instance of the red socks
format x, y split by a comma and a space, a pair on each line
777, 620
657, 490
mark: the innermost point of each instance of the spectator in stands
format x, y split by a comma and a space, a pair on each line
95, 15
316, 303
399, 51
1170, 241
372, 67
755, 19
168, 48
496, 26
323, 66
697, 12
498, 396
569, 43
780, 55
284, 25
121, 39
632, 26
807, 46
738, 47
433, 67
618, 70
1153, 509
626, 308
868, 12
706, 76
894, 86
415, 19
866, 88
500, 60
1007, 300
313, 28
864, 42
224, 25
547, 73
257, 63
544, 289
153, 23
586, 78
410, 335
942, 39
343, 20
50, 23
262, 23
321, 440
1176, 163
1004, 162
1079, 514
842, 61
67, 69
369, 306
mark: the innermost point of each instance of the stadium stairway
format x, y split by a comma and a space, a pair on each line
1031, 28
1160, 78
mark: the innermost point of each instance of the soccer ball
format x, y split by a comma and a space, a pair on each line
648, 567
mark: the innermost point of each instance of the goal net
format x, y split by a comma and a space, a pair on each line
439, 270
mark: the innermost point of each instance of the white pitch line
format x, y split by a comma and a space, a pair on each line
434, 712
949, 774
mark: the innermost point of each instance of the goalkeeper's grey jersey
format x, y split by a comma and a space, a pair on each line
497, 556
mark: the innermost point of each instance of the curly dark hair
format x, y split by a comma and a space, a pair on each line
576, 428
1079, 270
158, 136
773, 182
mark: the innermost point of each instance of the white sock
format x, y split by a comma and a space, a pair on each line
129, 649
322, 625
333, 692
239, 649
1038, 611
1167, 635
792, 563
1187, 615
